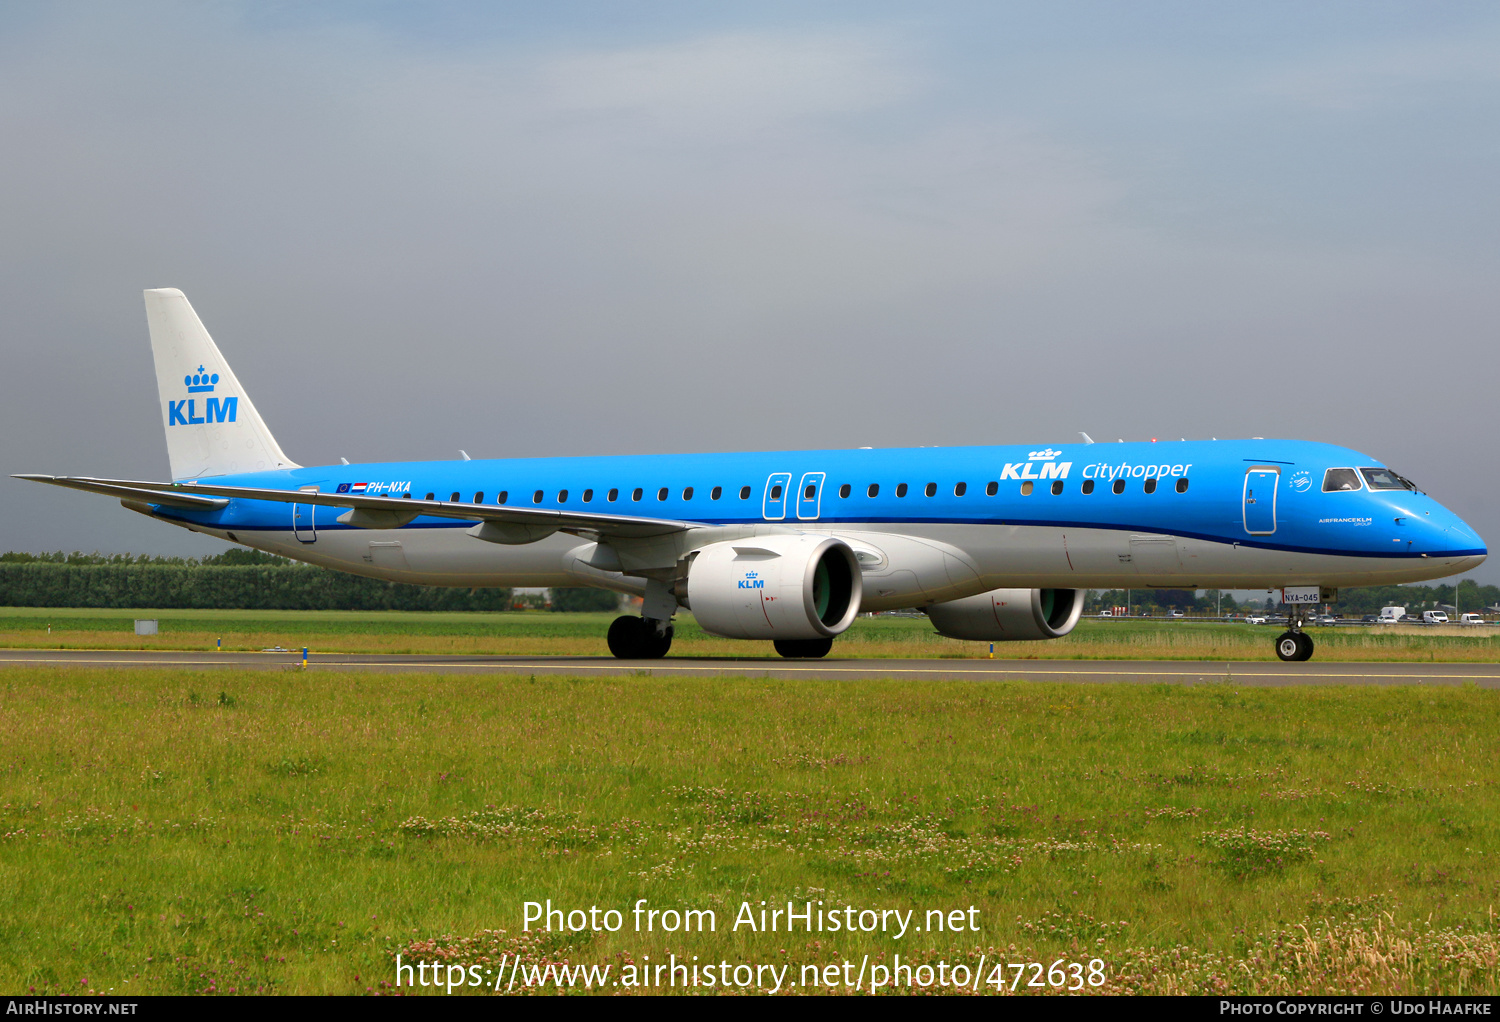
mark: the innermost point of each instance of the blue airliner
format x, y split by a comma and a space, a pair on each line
993, 543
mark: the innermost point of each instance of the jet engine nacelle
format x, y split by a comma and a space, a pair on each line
1009, 615
775, 587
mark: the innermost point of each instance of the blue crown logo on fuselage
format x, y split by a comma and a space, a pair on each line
200, 382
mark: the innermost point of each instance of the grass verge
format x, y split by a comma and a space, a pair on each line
170, 832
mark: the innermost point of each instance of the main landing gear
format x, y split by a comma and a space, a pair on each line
1295, 644
639, 638
803, 649
649, 636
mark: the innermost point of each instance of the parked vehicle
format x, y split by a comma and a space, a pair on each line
1434, 617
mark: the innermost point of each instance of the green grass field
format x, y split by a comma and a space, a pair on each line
537, 633
235, 832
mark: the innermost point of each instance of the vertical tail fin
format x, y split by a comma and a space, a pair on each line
212, 428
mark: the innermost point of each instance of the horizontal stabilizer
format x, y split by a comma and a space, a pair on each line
181, 501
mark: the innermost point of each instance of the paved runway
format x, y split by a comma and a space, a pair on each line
1179, 672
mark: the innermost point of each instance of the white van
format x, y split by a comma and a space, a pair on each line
1390, 615
1470, 619
1434, 617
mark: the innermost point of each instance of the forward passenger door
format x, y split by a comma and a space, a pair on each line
1260, 500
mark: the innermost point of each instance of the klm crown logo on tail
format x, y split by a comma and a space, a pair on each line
185, 412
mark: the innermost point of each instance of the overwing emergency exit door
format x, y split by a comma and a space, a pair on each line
773, 506
810, 495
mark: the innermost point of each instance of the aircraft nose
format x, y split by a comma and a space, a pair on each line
1462, 541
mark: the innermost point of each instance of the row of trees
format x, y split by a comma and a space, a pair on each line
234, 556
243, 580
230, 587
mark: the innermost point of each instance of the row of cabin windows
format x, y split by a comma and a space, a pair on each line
1118, 486
588, 495
959, 489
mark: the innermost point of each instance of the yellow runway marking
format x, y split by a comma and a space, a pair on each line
748, 667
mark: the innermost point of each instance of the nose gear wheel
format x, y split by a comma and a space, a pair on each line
1294, 646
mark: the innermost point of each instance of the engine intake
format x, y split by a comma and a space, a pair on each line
775, 587
1009, 615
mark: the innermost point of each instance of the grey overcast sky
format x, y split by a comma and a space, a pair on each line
565, 228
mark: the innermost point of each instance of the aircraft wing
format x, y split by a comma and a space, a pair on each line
374, 512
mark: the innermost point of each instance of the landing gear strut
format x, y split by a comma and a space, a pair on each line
639, 638
1295, 644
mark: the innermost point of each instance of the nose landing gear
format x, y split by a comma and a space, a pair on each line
1295, 644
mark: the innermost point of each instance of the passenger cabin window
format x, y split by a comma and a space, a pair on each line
562, 496
1150, 485
900, 489
874, 490
479, 497
1119, 486
1057, 487
613, 495
432, 496
1026, 488
1336, 479
1385, 479
991, 489
716, 493
776, 492
687, 494
744, 493
845, 490
959, 489
504, 496
1182, 485
536, 498
1087, 487
810, 492
588, 496
453, 499
930, 489
635, 494
661, 494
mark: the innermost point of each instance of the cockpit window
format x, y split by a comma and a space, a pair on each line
1385, 479
1336, 479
